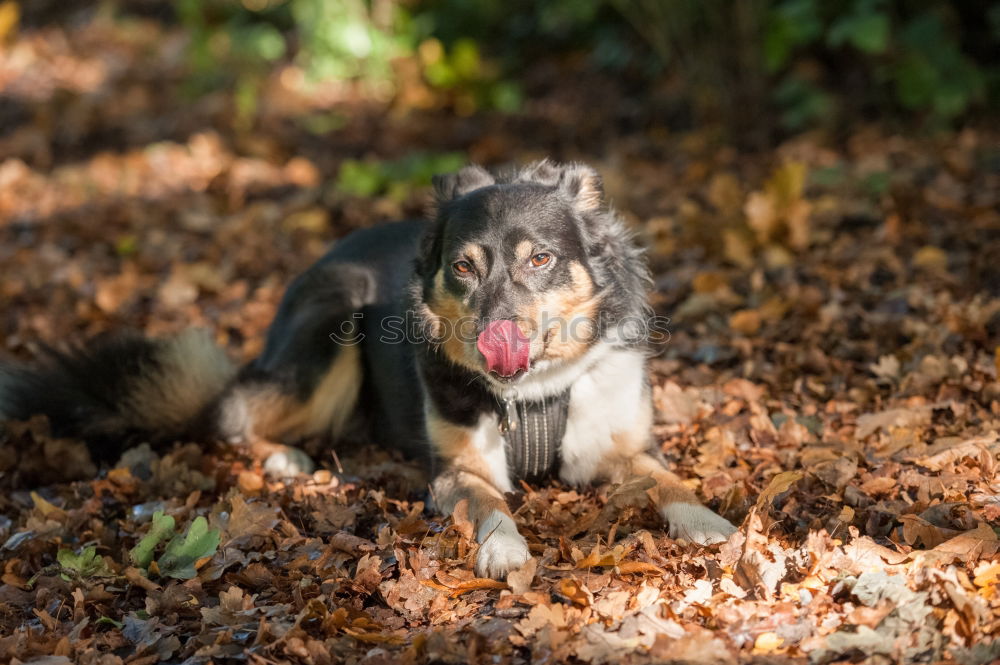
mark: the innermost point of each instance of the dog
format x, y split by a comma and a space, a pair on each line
505, 335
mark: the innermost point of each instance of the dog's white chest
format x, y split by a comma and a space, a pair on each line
608, 399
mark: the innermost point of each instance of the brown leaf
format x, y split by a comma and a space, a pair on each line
46, 509
407, 595
460, 519
476, 584
543, 616
767, 643
956, 515
918, 531
762, 565
972, 545
250, 483
596, 558
977, 449
779, 483
114, 292
987, 574
577, 593
520, 580
639, 567
249, 520
135, 576
351, 544
932, 259
879, 485
870, 423
866, 554
675, 404
746, 322
368, 574
725, 192
837, 473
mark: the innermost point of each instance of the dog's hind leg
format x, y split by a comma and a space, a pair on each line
260, 410
307, 380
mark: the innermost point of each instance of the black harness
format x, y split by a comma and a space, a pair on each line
533, 433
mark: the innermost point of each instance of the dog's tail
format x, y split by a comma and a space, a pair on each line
119, 390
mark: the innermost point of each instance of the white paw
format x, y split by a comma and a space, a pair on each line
697, 524
501, 548
287, 463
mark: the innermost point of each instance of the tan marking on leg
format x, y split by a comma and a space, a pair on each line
463, 476
629, 459
501, 548
254, 412
272, 415
332, 402
668, 488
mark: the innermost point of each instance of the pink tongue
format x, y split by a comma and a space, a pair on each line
505, 347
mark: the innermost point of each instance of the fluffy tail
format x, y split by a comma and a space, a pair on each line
120, 390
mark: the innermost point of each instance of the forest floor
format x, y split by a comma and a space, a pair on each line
830, 383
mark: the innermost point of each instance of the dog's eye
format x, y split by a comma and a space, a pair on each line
539, 260
462, 267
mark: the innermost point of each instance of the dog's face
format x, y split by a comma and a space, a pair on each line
508, 283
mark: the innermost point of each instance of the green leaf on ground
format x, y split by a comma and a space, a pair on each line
85, 564
183, 553
161, 529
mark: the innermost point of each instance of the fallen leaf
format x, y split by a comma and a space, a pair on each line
779, 484
639, 567
520, 580
767, 643
931, 258
746, 322
577, 593
870, 423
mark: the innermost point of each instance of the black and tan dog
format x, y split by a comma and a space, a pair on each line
507, 336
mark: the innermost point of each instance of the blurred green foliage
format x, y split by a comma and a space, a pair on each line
230, 45
913, 51
397, 179
805, 62
232, 42
351, 38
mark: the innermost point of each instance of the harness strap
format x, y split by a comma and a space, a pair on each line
533, 432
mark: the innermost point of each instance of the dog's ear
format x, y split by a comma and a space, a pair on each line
577, 182
429, 250
582, 185
447, 187
455, 185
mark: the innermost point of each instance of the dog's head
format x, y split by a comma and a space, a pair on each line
520, 268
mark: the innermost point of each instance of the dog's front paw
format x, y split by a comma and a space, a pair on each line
696, 523
501, 549
287, 463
